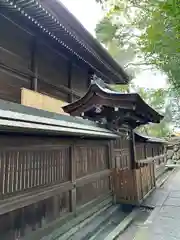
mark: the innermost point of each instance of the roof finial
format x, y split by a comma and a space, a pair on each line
97, 80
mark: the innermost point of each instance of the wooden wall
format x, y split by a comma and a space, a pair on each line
46, 178
32, 63
133, 182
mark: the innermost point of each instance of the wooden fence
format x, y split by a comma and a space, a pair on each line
131, 186
47, 179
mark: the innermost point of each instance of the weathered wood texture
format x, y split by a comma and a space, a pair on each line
122, 153
152, 151
131, 185
36, 66
43, 179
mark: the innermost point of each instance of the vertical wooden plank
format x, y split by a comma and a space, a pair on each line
26, 170
72, 160
37, 167
153, 174
11, 169
33, 65
15, 156
6, 173
44, 167
111, 165
132, 150
33, 168
133, 162
61, 166
54, 166
50, 166
23, 170
47, 168
58, 165
40, 169
51, 161
2, 170
110, 160
19, 171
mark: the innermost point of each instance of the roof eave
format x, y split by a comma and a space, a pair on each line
107, 67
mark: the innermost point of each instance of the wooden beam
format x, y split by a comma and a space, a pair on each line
27, 199
26, 76
93, 177
33, 65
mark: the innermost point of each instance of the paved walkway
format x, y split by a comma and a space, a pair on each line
164, 222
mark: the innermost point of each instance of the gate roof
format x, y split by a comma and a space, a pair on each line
102, 103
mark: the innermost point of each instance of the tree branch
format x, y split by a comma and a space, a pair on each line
138, 64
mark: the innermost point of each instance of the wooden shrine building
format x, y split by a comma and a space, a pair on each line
55, 167
47, 50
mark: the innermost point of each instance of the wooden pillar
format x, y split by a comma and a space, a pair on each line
33, 65
164, 153
112, 165
134, 172
110, 154
153, 150
145, 150
132, 149
70, 97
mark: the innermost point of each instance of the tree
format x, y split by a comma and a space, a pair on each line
106, 32
120, 31
157, 23
161, 40
156, 98
123, 31
144, 35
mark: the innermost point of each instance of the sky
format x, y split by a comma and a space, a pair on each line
88, 12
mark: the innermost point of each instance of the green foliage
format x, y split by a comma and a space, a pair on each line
107, 33
121, 88
146, 33
106, 30
161, 40
158, 25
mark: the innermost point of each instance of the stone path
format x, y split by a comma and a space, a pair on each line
131, 231
164, 222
